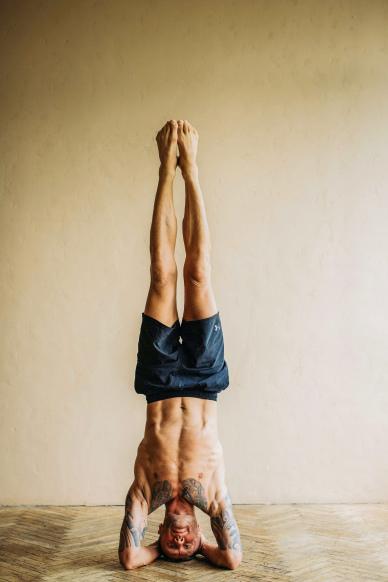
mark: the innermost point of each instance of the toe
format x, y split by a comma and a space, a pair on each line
185, 126
174, 130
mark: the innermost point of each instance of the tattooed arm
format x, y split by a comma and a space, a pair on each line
161, 493
227, 552
131, 553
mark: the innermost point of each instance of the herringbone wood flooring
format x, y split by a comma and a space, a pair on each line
287, 543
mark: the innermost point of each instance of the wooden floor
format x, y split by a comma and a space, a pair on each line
303, 543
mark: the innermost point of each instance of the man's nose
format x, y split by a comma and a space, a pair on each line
179, 539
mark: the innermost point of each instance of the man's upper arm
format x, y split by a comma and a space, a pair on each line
228, 550
222, 520
135, 520
224, 526
131, 553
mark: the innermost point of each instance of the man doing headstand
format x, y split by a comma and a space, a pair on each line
180, 369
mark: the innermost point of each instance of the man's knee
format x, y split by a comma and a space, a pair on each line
197, 270
163, 274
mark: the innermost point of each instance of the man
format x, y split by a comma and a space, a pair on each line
180, 369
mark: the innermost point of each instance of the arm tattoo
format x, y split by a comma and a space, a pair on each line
194, 493
225, 528
132, 532
161, 493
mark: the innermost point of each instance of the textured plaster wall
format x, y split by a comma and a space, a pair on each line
291, 102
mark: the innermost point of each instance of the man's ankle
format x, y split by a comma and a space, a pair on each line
165, 172
190, 172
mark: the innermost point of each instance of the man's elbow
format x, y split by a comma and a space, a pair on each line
233, 561
128, 565
128, 561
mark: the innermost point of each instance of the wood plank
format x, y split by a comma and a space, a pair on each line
282, 543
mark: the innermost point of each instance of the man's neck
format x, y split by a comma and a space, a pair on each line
179, 506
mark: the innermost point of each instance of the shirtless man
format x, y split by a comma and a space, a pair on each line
180, 369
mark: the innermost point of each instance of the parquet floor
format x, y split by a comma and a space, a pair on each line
287, 543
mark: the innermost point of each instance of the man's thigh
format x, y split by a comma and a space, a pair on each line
200, 301
161, 303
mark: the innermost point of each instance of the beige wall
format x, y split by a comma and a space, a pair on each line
291, 102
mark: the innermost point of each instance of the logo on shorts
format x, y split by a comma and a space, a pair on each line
216, 327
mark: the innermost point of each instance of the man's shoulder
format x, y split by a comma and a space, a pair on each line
205, 496
137, 493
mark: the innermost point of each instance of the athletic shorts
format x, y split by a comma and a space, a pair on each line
186, 359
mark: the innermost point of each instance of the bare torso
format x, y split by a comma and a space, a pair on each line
180, 454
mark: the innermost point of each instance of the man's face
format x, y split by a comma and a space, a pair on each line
179, 536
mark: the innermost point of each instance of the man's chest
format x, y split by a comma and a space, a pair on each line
193, 471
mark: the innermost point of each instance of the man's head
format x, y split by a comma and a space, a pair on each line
179, 536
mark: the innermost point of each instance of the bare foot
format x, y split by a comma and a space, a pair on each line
166, 139
188, 146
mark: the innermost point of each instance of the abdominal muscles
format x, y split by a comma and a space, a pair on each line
183, 446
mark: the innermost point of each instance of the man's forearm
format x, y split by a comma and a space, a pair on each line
134, 558
147, 554
223, 558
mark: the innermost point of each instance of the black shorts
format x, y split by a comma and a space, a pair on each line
185, 359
